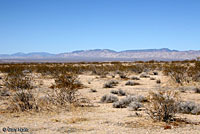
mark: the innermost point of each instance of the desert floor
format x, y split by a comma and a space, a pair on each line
101, 118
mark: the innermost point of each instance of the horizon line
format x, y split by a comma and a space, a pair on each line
99, 49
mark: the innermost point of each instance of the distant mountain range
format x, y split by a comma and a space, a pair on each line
102, 55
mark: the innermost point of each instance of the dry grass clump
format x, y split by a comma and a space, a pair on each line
109, 98
163, 105
110, 84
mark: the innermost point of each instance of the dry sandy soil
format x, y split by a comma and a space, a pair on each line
102, 118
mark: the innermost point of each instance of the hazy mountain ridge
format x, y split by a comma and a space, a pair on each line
106, 54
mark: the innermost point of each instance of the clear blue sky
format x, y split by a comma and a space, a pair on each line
57, 26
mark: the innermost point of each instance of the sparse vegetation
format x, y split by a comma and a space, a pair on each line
58, 87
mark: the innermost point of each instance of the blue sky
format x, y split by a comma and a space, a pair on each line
57, 26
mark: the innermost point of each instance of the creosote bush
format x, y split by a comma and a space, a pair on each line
23, 101
65, 90
18, 80
163, 105
23, 98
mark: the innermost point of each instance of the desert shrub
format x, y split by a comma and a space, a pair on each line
151, 78
45, 103
65, 89
188, 88
4, 92
194, 71
163, 105
123, 103
93, 90
158, 81
131, 83
196, 90
144, 75
134, 106
16, 80
23, 100
119, 92
109, 98
16, 83
188, 107
123, 76
12, 69
155, 73
99, 70
135, 78
177, 72
110, 84
114, 91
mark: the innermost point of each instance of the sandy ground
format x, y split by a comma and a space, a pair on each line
102, 118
